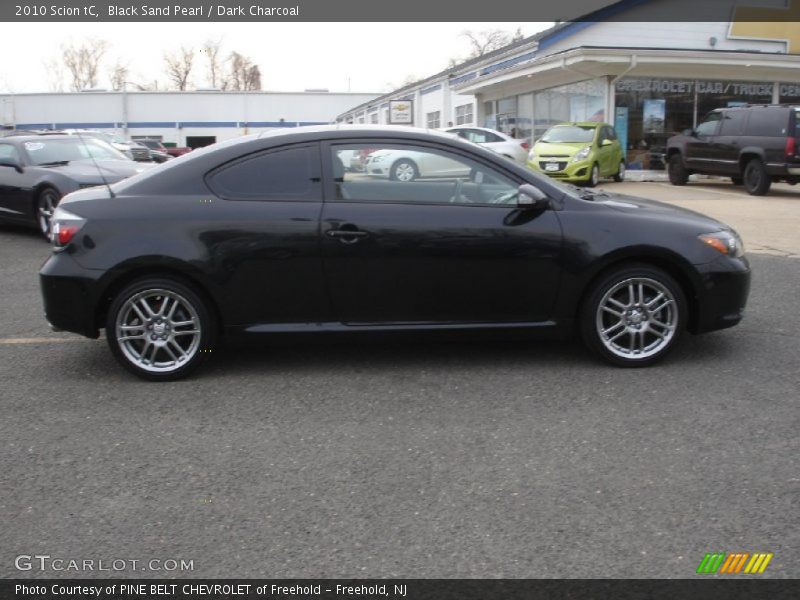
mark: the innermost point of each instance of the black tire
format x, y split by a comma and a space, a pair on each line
678, 175
645, 330
756, 179
404, 170
619, 176
46, 202
594, 176
736, 180
169, 334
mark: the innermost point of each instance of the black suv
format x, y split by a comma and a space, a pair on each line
754, 145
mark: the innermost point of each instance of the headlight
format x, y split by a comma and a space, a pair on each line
726, 242
582, 154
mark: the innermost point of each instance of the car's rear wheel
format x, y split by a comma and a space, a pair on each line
676, 171
404, 170
160, 329
620, 176
756, 179
594, 176
46, 203
633, 316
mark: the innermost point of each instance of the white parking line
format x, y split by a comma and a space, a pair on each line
41, 340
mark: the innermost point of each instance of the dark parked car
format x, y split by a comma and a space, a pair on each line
269, 235
158, 153
36, 171
753, 145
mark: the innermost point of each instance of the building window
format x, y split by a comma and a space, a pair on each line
434, 119
373, 118
464, 114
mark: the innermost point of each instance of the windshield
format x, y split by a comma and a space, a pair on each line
149, 143
568, 134
46, 151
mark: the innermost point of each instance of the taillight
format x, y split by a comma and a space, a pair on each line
525, 145
64, 226
791, 147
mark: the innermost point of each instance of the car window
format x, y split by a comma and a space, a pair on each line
288, 174
732, 122
709, 125
46, 150
565, 134
9, 153
768, 122
400, 173
609, 133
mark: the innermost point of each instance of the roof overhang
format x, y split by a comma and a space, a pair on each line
586, 63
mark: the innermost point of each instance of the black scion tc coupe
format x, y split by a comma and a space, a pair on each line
269, 234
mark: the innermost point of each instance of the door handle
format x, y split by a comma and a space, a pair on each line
347, 233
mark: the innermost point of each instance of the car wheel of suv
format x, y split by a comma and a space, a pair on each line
756, 178
404, 170
46, 203
677, 172
620, 176
633, 316
594, 176
160, 329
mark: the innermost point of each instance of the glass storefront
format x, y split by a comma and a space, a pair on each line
648, 111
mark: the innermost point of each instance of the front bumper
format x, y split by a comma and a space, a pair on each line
722, 294
568, 170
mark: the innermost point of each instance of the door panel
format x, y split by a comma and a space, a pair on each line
430, 260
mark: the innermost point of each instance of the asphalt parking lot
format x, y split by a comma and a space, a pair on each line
416, 459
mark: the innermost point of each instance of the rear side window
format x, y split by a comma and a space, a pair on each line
288, 174
8, 153
768, 122
733, 122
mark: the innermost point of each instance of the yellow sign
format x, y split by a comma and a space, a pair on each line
748, 23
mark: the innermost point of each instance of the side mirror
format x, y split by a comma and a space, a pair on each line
606, 142
16, 166
530, 196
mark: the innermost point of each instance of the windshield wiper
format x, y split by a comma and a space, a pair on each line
55, 163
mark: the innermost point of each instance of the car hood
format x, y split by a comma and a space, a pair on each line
660, 210
89, 171
564, 148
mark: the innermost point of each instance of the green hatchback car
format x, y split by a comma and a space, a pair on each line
579, 153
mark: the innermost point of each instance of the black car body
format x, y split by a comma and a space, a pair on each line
269, 235
36, 171
753, 145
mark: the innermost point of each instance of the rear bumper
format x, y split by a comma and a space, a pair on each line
722, 297
68, 295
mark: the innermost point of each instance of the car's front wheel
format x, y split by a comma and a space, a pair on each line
404, 170
633, 315
678, 175
594, 176
46, 203
160, 329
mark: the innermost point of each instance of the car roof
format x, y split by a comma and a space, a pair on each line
38, 138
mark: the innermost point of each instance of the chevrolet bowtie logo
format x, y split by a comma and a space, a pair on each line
732, 563
749, 22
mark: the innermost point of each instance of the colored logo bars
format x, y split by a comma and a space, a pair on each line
734, 562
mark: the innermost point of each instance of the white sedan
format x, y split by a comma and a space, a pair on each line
516, 150
408, 165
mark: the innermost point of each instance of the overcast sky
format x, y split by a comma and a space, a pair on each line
361, 57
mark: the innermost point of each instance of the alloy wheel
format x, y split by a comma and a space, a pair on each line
46, 205
637, 318
158, 330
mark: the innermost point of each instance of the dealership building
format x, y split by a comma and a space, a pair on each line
182, 118
650, 79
